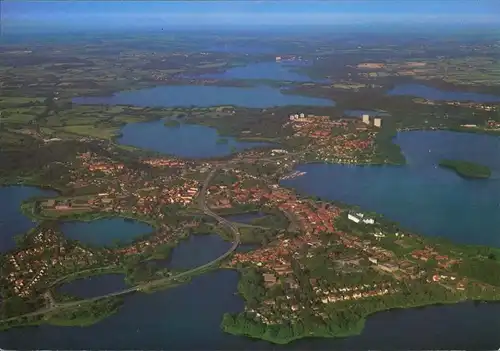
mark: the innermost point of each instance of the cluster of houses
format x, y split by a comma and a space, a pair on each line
345, 147
355, 292
28, 268
92, 163
474, 105
163, 162
428, 252
125, 189
161, 236
492, 124
285, 308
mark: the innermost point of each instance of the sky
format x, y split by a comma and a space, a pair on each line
144, 13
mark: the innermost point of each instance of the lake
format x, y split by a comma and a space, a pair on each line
94, 286
186, 140
204, 96
197, 250
421, 196
277, 71
188, 317
105, 232
12, 221
429, 93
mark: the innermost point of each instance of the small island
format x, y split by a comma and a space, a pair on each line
467, 169
172, 123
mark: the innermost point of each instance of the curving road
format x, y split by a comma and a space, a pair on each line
163, 281
158, 282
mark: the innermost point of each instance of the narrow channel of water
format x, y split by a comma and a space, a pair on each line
94, 286
197, 250
429, 93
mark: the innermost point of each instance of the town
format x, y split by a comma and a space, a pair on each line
312, 256
337, 140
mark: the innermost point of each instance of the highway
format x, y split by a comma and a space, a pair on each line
159, 282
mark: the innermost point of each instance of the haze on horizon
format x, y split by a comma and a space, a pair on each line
144, 14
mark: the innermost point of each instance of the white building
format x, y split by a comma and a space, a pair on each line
353, 218
279, 151
358, 217
377, 122
366, 119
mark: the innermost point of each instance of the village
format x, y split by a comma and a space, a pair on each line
343, 140
316, 223
123, 190
48, 256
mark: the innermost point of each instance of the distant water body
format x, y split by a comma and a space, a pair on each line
204, 96
429, 93
186, 140
277, 71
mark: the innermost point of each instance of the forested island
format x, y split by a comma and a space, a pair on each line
467, 169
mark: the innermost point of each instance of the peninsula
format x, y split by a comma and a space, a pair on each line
316, 268
467, 169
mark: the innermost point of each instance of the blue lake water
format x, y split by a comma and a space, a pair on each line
244, 48
12, 221
186, 140
278, 71
204, 96
188, 318
429, 93
196, 251
421, 196
94, 286
105, 232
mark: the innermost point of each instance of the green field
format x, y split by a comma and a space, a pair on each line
92, 131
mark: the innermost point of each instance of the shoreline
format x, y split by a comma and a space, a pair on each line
359, 325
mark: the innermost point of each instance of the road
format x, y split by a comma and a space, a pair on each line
159, 282
55, 307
